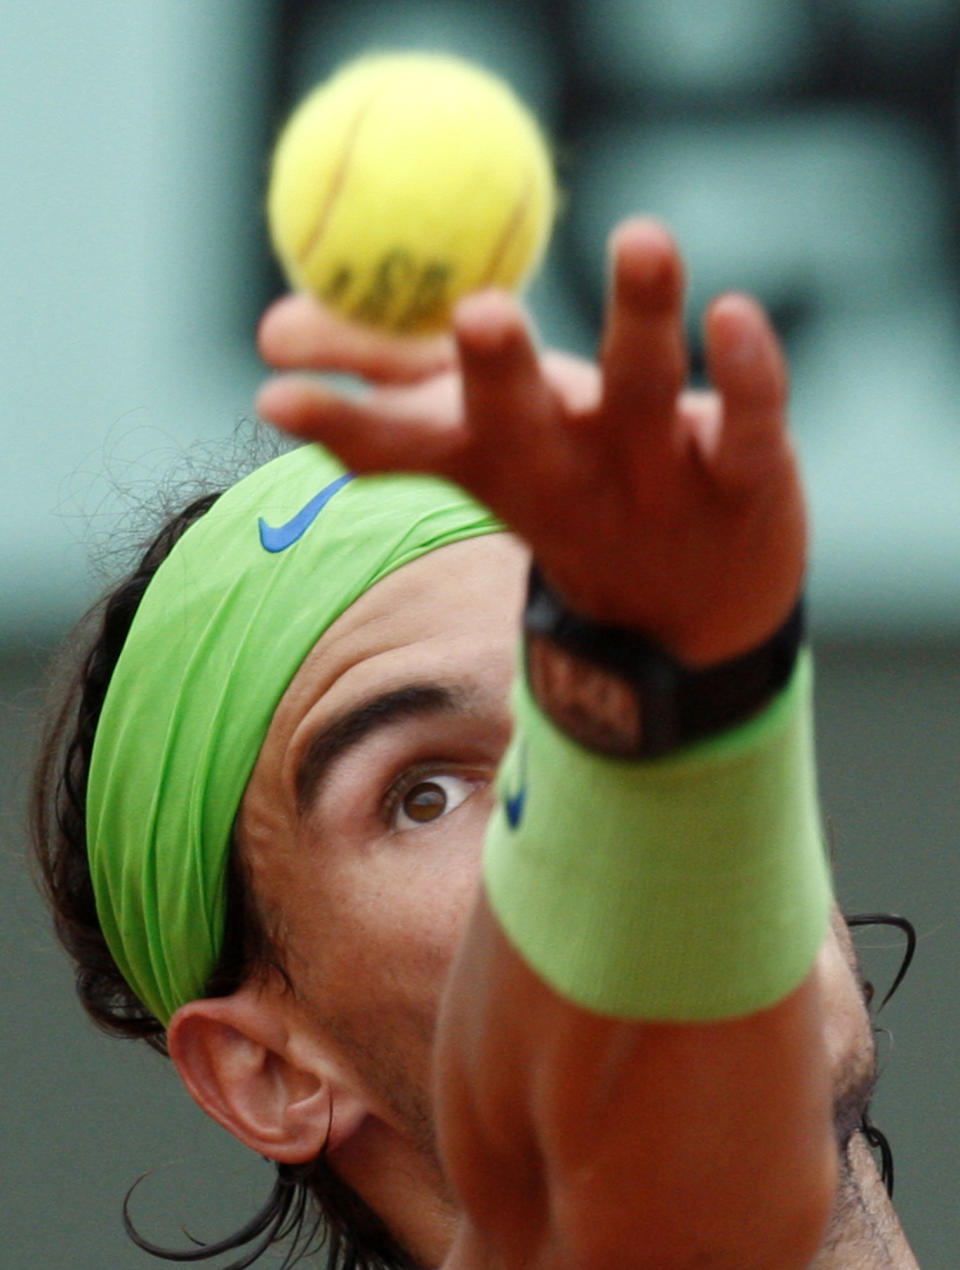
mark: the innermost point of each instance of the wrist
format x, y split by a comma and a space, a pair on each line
693, 888
620, 693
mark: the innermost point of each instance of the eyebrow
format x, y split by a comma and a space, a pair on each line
363, 720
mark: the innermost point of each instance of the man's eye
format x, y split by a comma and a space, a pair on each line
429, 799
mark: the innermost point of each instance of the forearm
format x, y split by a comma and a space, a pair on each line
578, 1141
566, 1110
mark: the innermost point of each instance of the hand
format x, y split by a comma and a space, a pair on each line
679, 514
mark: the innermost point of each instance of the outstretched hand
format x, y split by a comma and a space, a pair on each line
679, 514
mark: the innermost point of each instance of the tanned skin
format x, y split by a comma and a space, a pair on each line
488, 1121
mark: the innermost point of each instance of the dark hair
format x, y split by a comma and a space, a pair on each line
309, 1204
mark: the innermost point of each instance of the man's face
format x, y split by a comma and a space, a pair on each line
363, 822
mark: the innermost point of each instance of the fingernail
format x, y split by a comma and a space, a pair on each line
276, 395
489, 321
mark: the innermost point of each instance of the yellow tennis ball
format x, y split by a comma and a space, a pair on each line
404, 182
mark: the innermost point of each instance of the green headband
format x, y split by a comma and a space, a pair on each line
223, 627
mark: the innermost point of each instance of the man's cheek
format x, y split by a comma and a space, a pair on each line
847, 1022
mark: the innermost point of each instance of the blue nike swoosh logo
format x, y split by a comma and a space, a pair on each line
285, 535
513, 804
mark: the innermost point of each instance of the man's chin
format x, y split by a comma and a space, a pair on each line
864, 1232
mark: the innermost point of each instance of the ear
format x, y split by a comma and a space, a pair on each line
253, 1064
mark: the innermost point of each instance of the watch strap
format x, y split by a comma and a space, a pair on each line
619, 692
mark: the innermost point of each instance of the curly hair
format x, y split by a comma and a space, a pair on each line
308, 1205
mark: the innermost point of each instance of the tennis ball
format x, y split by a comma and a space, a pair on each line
404, 182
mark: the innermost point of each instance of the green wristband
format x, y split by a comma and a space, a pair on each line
690, 888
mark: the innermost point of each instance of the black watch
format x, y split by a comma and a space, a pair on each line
619, 693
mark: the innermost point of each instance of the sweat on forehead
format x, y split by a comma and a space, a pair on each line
222, 628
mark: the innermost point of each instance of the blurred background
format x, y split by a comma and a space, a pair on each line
805, 150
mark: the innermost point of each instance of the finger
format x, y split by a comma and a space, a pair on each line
507, 401
748, 370
644, 356
299, 333
399, 430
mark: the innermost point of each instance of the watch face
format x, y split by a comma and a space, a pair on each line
591, 704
